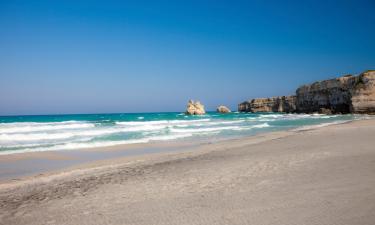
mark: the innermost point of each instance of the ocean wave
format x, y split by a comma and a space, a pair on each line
263, 125
63, 134
28, 128
67, 135
199, 130
142, 123
309, 127
271, 116
45, 136
213, 123
75, 145
291, 117
17, 145
216, 129
39, 123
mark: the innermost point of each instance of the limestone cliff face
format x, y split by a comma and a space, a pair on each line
363, 93
195, 108
333, 95
347, 94
275, 104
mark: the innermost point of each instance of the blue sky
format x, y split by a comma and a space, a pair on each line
144, 56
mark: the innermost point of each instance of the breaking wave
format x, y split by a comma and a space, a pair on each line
49, 133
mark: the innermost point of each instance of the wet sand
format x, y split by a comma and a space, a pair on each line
20, 165
320, 176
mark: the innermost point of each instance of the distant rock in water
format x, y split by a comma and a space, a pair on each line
346, 94
325, 111
285, 104
195, 108
223, 109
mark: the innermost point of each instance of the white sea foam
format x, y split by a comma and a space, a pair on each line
165, 122
216, 123
20, 124
49, 136
276, 117
35, 136
70, 134
263, 125
271, 116
198, 130
216, 129
169, 137
8, 138
75, 145
15, 128
309, 127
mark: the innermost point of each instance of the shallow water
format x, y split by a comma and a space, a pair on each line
63, 132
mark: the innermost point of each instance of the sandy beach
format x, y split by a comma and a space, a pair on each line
319, 176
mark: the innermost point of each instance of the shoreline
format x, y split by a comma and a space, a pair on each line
316, 176
129, 152
78, 134
15, 166
64, 160
106, 156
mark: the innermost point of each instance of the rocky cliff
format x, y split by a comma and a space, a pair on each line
274, 104
363, 95
347, 94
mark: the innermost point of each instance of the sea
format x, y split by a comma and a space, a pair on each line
85, 131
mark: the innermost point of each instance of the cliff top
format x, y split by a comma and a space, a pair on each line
332, 81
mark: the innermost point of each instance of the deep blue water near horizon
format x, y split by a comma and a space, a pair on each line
75, 131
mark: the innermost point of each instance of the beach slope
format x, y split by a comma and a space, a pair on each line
320, 176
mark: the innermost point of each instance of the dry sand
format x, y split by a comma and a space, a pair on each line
320, 176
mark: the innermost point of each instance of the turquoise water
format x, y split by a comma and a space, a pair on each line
63, 132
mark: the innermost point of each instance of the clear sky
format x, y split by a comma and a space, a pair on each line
142, 56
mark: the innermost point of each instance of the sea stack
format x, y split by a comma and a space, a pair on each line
195, 108
223, 109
